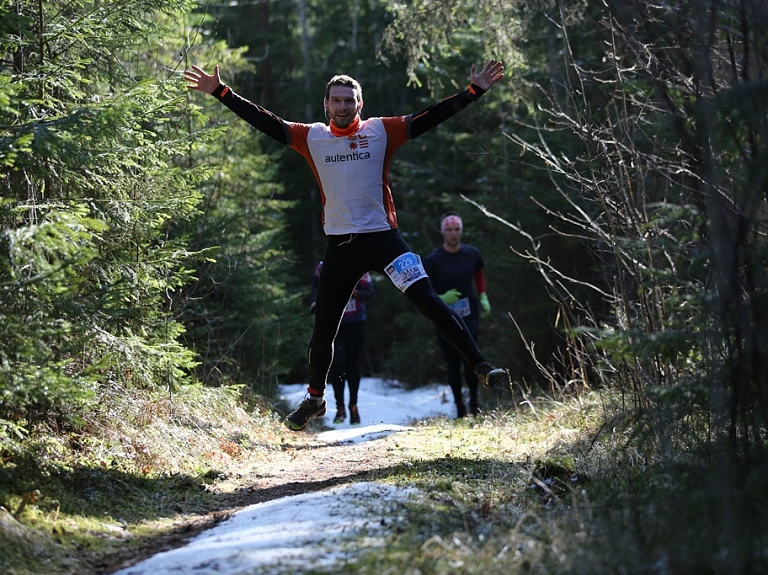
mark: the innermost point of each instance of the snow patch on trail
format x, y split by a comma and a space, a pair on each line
321, 529
287, 535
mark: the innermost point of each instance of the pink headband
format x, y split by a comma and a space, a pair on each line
451, 221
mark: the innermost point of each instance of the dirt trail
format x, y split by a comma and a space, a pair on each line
304, 464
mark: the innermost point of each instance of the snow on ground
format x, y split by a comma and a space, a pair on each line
287, 535
291, 534
385, 407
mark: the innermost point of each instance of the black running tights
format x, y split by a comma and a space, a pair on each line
346, 259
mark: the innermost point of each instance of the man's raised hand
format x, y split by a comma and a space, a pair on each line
491, 73
198, 79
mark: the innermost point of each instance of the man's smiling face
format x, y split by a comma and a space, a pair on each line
342, 105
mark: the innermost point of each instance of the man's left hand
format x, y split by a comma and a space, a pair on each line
491, 73
485, 305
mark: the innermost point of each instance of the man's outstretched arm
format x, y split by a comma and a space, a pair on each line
258, 117
480, 83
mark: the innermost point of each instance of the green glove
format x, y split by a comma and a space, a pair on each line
485, 305
451, 296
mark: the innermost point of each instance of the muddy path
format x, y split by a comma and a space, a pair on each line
304, 464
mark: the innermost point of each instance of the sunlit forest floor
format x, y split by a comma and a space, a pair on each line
547, 486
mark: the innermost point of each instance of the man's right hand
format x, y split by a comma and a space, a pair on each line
451, 296
199, 80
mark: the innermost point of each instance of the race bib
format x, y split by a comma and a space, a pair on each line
405, 270
462, 307
351, 306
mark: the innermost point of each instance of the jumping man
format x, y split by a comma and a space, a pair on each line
350, 159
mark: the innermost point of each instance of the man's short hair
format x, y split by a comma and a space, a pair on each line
344, 80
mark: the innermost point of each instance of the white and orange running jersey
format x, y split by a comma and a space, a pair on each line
352, 172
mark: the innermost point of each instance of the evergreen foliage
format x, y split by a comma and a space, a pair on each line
89, 193
239, 315
112, 213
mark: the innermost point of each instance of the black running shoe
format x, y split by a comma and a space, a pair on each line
307, 410
341, 415
354, 415
491, 376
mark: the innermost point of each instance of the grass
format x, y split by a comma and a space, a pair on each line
139, 464
548, 488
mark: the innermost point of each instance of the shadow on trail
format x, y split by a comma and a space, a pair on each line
260, 495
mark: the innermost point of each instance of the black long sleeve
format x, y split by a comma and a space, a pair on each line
440, 112
258, 117
274, 126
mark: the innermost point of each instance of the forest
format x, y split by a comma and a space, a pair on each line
615, 181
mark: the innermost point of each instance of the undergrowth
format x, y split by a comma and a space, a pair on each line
553, 490
552, 487
138, 466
